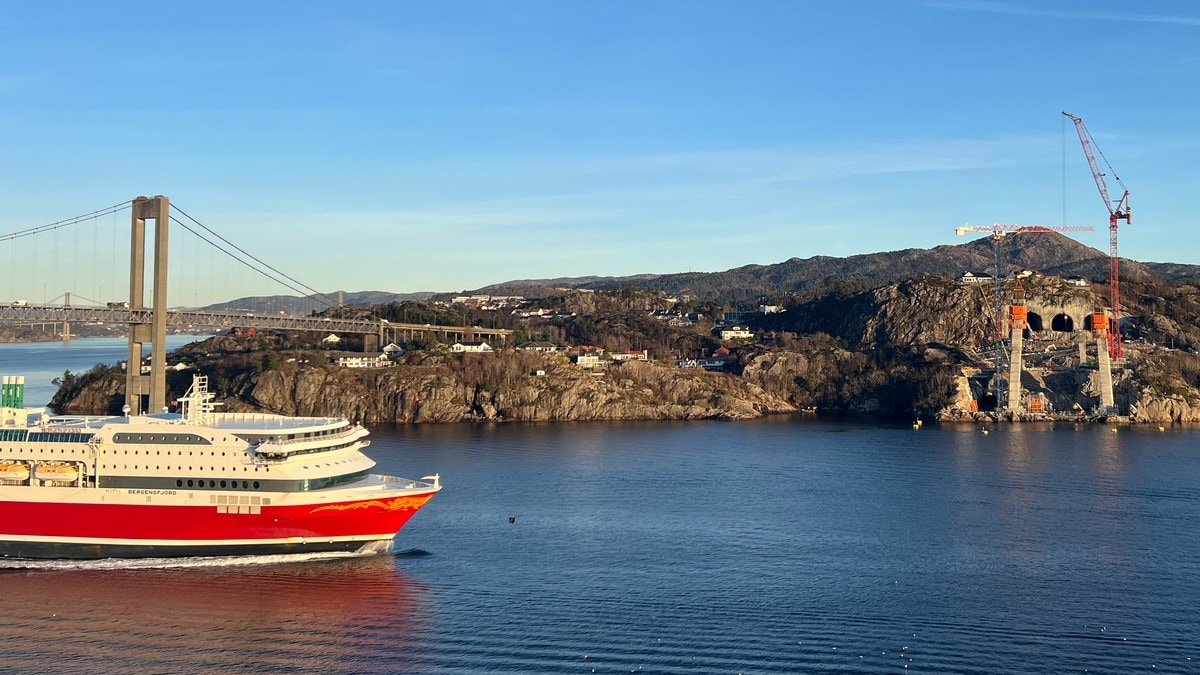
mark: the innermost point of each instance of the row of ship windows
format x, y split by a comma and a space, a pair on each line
20, 435
233, 484
189, 439
180, 468
269, 438
323, 448
190, 453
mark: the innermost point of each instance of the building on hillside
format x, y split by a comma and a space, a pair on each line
715, 363
590, 360
631, 355
471, 346
393, 350
719, 360
365, 361
736, 333
973, 278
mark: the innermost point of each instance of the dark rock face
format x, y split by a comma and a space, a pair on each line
510, 393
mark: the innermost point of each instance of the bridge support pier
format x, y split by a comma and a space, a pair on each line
147, 392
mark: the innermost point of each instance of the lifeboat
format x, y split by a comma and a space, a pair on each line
56, 472
14, 472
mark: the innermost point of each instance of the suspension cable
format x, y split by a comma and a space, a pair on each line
231, 255
295, 286
63, 223
328, 301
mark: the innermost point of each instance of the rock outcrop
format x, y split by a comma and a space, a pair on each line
488, 387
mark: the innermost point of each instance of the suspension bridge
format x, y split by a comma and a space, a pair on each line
148, 321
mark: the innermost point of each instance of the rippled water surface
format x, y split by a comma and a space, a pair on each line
778, 546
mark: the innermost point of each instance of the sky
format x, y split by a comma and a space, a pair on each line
409, 146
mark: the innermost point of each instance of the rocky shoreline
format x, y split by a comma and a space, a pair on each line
535, 387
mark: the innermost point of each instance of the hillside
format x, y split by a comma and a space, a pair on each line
1047, 252
302, 305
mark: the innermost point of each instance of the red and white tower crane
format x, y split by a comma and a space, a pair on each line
1117, 211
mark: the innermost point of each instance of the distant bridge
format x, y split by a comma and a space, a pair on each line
381, 329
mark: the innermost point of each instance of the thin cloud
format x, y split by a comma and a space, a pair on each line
1018, 10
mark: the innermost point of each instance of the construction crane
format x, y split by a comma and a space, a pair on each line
999, 231
1117, 211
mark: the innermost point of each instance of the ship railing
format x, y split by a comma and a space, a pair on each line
434, 481
77, 420
283, 421
348, 431
278, 450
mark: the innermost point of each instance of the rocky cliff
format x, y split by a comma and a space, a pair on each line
504, 386
564, 392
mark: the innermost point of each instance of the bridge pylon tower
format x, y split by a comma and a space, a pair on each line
144, 393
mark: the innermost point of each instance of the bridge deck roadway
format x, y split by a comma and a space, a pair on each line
60, 314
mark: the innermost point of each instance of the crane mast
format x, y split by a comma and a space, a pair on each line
1116, 213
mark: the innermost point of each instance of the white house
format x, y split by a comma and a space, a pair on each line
589, 360
393, 350
534, 346
736, 333
631, 355
365, 361
331, 339
475, 347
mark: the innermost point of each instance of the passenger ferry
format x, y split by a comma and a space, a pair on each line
194, 483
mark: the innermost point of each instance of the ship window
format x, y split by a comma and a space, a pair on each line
244, 484
255, 485
179, 483
222, 483
189, 480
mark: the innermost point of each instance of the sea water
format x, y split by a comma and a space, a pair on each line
784, 545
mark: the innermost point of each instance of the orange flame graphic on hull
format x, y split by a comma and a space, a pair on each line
396, 504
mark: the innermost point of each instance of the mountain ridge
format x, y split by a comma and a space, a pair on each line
1048, 253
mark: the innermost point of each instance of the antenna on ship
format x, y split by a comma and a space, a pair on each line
197, 405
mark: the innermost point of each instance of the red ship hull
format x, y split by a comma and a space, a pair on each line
93, 530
